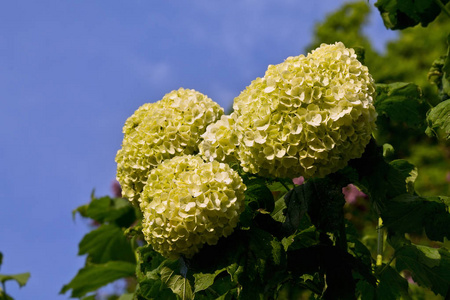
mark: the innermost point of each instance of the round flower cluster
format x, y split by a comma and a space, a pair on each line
220, 141
187, 203
158, 131
307, 116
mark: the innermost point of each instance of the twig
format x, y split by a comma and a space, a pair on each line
285, 186
442, 6
4, 290
380, 241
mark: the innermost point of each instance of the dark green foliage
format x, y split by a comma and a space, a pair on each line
106, 243
109, 210
110, 254
429, 267
401, 103
400, 14
439, 118
412, 214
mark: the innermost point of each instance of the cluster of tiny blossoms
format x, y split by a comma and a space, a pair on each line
159, 131
187, 203
220, 141
308, 116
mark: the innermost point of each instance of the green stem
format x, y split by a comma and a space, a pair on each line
380, 241
285, 186
342, 242
442, 6
4, 290
387, 265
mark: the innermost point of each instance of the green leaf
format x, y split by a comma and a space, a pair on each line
21, 278
391, 285
126, 297
400, 14
322, 198
401, 103
378, 179
177, 283
407, 171
277, 213
92, 277
106, 243
428, 268
258, 195
1, 258
411, 214
204, 281
107, 209
235, 270
439, 118
302, 239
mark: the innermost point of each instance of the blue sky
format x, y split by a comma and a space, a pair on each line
71, 72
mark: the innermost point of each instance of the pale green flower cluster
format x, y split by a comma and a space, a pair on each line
158, 131
220, 141
307, 116
188, 203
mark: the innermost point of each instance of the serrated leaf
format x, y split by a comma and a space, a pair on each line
402, 103
92, 277
148, 260
277, 251
439, 118
21, 278
391, 285
277, 213
400, 14
107, 209
106, 243
258, 196
177, 283
322, 199
411, 214
378, 179
303, 239
408, 171
204, 281
235, 270
425, 268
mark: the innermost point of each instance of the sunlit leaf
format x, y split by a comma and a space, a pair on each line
92, 277
106, 243
204, 281
21, 278
177, 283
107, 209
439, 118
